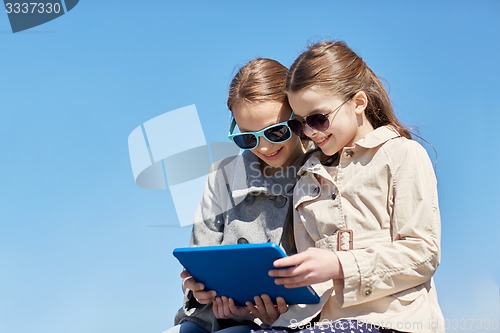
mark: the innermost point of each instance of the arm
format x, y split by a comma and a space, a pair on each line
210, 215
413, 256
208, 229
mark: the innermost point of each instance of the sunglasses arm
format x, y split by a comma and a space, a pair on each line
232, 126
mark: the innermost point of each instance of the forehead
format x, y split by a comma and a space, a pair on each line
309, 100
256, 116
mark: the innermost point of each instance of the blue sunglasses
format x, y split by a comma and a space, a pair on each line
277, 133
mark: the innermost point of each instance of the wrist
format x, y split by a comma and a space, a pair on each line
339, 273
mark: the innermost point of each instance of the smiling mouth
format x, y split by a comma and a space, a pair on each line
319, 143
273, 154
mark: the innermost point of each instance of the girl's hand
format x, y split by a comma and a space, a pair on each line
265, 310
224, 308
309, 267
198, 289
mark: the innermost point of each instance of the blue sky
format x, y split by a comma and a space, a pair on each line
84, 249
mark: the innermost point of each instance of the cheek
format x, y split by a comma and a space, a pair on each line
343, 134
343, 125
291, 144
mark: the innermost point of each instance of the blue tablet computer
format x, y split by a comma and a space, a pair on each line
240, 272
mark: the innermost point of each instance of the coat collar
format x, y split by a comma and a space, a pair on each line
373, 139
249, 179
378, 136
245, 170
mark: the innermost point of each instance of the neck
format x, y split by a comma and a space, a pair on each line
270, 171
363, 129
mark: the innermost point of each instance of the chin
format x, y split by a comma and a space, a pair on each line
329, 151
274, 164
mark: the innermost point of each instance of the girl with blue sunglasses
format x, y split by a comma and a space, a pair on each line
247, 198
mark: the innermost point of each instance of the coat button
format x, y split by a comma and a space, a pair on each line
349, 152
315, 190
280, 202
219, 222
334, 195
367, 291
249, 199
242, 240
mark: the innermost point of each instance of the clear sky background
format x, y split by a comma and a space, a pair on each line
83, 249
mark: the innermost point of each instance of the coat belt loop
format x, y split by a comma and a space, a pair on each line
339, 239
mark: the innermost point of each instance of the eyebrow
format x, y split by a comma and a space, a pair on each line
315, 111
243, 131
276, 123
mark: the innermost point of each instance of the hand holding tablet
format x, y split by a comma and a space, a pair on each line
240, 272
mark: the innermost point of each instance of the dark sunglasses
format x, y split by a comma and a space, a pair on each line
277, 133
317, 121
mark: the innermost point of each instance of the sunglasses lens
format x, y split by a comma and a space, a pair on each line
245, 141
296, 126
319, 122
278, 133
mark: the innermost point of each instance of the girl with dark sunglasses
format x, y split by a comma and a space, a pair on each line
248, 198
366, 213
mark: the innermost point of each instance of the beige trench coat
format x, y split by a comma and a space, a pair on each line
384, 191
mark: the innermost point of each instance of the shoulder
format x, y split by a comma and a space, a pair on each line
402, 148
406, 156
222, 170
230, 163
232, 168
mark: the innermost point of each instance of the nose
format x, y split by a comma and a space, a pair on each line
264, 145
308, 131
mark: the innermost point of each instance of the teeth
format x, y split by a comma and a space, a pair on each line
272, 154
323, 140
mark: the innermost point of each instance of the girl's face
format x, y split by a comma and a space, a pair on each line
252, 117
347, 122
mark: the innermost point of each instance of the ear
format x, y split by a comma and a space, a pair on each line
360, 102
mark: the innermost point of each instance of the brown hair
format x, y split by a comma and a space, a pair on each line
260, 80
335, 68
